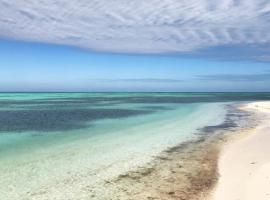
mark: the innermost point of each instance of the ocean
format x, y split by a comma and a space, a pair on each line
58, 144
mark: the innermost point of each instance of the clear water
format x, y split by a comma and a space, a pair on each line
66, 141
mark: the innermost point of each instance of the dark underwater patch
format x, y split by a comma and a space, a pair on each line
232, 120
58, 120
158, 99
211, 97
197, 99
65, 113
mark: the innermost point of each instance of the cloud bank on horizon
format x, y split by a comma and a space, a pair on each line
152, 26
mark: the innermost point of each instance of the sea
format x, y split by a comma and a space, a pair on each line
57, 144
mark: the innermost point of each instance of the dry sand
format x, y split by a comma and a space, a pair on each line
244, 164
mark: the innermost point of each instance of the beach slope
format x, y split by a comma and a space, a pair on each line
244, 164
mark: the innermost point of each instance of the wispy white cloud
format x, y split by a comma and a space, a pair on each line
237, 78
141, 80
134, 26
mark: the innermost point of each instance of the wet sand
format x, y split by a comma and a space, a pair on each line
186, 172
244, 164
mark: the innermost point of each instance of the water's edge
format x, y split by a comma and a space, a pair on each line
186, 171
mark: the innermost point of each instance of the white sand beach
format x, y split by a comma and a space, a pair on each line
244, 164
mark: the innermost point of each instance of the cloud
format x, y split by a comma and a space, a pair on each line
152, 26
140, 80
236, 78
257, 52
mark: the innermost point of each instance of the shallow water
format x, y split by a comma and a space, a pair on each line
55, 143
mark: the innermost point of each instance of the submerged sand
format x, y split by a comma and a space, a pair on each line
190, 171
186, 172
244, 165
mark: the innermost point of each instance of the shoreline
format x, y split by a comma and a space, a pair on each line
244, 163
188, 171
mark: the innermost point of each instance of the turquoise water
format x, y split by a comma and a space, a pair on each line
51, 142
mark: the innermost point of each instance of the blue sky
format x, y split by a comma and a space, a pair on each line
27, 66
153, 45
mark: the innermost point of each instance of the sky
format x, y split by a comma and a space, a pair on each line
154, 45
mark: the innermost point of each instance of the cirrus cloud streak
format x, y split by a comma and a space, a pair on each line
152, 26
